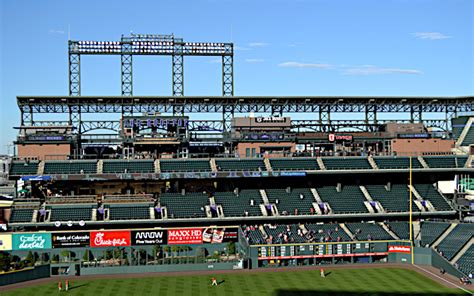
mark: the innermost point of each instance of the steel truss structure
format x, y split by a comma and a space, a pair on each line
149, 44
374, 109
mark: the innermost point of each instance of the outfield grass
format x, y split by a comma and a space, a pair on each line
368, 281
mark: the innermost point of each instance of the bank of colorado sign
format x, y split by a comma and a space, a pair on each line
185, 236
31, 241
110, 239
149, 237
70, 239
399, 249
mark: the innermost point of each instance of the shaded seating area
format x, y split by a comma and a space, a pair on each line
429, 192
401, 229
349, 200
368, 231
184, 165
281, 164
431, 231
129, 212
70, 167
23, 168
71, 213
191, 205
21, 215
346, 163
392, 163
466, 262
128, 166
240, 164
445, 161
397, 199
288, 202
240, 205
455, 240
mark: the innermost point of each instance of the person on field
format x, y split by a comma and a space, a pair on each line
322, 273
60, 286
213, 281
67, 285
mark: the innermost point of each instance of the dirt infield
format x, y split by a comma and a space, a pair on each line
428, 271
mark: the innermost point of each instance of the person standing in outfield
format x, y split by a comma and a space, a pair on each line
67, 285
213, 281
321, 271
60, 286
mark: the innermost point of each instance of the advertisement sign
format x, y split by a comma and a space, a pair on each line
70, 239
31, 241
185, 236
110, 238
5, 242
399, 249
149, 237
339, 138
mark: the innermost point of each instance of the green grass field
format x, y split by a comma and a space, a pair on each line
368, 281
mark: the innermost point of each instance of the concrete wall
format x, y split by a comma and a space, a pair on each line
159, 268
413, 147
44, 151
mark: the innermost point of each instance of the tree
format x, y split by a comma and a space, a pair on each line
5, 260
29, 259
65, 254
156, 251
86, 257
231, 248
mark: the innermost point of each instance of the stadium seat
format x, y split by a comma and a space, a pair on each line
349, 200
368, 231
429, 192
445, 161
240, 164
191, 205
288, 202
282, 164
70, 167
431, 231
332, 231
22, 168
401, 229
395, 200
21, 215
396, 163
129, 212
129, 166
466, 262
71, 213
184, 165
455, 240
346, 163
235, 206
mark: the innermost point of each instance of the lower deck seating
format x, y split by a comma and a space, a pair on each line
401, 229
349, 200
289, 202
253, 234
327, 232
431, 231
237, 206
71, 213
191, 205
455, 240
281, 234
129, 212
466, 262
368, 231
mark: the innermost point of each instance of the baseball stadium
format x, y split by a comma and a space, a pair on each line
233, 194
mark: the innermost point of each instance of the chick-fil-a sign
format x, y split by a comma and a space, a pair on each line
185, 236
110, 238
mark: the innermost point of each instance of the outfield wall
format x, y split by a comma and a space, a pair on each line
24, 275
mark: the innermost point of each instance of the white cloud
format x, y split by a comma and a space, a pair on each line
258, 44
60, 32
374, 70
254, 60
431, 35
304, 65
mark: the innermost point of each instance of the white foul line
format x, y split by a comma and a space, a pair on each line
467, 291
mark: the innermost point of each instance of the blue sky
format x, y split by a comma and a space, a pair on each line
283, 47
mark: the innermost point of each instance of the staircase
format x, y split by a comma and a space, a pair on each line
372, 162
264, 196
34, 218
462, 251
41, 168
263, 210
317, 209
392, 234
468, 163
415, 193
347, 231
100, 166
423, 162
321, 163
152, 213
444, 235
157, 166
268, 166
464, 132
366, 193
212, 162
94, 215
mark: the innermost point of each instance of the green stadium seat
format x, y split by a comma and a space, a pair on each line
431, 231
238, 164
129, 211
71, 213
184, 165
395, 200
455, 240
346, 163
22, 168
368, 231
429, 192
21, 215
291, 164
466, 262
391, 163
191, 205
349, 200
445, 161
235, 206
70, 167
290, 201
129, 166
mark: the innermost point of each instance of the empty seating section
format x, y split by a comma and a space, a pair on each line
254, 235
280, 164
129, 212
21, 168
368, 231
277, 234
458, 124
349, 163
240, 164
179, 165
21, 215
401, 229
71, 213
290, 201
70, 167
429, 192
445, 161
395, 200
349, 200
469, 138
466, 262
431, 231
128, 166
396, 163
332, 231
236, 206
191, 205
455, 240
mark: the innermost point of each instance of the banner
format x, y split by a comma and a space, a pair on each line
31, 241
149, 237
185, 236
110, 238
399, 249
5, 242
70, 239
219, 235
